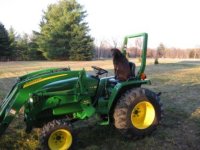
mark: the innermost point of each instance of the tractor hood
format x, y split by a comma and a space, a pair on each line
39, 73
61, 85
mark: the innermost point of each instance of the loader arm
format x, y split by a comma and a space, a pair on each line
10, 106
25, 86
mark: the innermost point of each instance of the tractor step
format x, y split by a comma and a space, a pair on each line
104, 120
104, 123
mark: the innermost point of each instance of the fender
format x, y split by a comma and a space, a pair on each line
120, 87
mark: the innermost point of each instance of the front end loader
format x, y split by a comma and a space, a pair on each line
55, 99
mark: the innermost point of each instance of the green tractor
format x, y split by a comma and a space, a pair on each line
55, 99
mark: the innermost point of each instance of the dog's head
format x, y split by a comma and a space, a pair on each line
115, 52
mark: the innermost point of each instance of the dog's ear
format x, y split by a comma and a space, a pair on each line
115, 51
112, 50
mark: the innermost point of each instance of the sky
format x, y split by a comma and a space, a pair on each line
175, 23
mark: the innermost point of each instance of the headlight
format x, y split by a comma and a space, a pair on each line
30, 100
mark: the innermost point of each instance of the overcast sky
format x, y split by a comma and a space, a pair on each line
175, 23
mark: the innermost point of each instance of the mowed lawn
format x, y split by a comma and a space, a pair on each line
178, 80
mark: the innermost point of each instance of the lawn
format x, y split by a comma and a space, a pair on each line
178, 80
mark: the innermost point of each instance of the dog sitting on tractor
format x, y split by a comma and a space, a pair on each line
121, 65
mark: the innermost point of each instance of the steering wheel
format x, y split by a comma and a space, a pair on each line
99, 71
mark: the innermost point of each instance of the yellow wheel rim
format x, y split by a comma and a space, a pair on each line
60, 140
142, 115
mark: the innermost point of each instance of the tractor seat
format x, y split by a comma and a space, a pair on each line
132, 69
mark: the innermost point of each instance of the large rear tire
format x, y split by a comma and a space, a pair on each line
137, 112
56, 135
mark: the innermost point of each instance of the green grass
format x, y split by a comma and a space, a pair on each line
179, 82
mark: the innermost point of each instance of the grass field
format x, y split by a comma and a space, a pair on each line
178, 80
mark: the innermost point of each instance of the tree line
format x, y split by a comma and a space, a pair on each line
63, 35
103, 51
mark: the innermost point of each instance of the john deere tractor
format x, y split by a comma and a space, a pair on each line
55, 99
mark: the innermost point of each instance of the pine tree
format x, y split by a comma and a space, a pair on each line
81, 48
64, 33
33, 52
5, 52
12, 41
21, 52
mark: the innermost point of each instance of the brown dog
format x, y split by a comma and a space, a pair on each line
121, 65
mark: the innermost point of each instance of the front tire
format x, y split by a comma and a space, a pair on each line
56, 135
137, 112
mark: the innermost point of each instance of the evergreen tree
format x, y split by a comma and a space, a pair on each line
81, 48
64, 33
12, 41
4, 43
21, 52
33, 53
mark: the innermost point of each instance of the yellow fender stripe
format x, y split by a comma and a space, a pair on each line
41, 80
